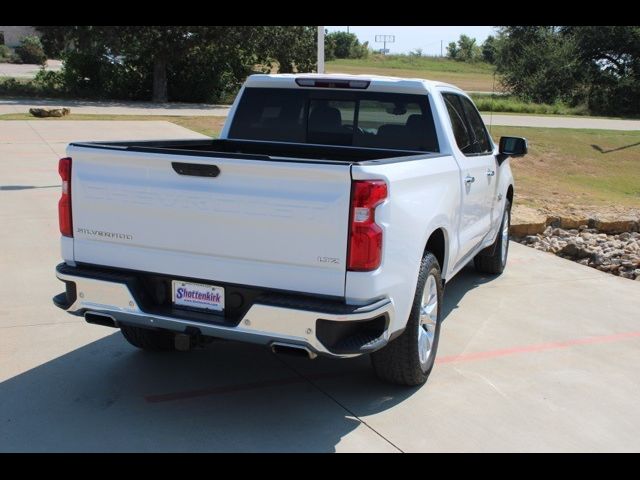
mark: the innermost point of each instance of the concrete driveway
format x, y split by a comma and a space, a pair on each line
116, 107
542, 358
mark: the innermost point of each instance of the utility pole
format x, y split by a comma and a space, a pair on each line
320, 49
347, 29
441, 48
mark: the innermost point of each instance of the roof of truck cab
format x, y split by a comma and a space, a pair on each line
378, 83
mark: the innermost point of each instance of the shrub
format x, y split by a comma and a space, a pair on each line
359, 50
619, 97
30, 50
510, 104
49, 81
5, 52
11, 87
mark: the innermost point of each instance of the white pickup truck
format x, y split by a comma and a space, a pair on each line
325, 220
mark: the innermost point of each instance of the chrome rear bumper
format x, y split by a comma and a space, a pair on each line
262, 324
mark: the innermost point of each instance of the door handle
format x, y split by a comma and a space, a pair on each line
196, 169
469, 179
490, 173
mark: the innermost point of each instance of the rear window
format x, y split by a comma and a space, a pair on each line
363, 119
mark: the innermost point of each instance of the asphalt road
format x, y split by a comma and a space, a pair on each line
542, 358
558, 121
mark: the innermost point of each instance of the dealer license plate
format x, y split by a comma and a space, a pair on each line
198, 296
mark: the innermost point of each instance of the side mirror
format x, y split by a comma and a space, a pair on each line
512, 147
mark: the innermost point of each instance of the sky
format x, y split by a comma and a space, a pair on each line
411, 38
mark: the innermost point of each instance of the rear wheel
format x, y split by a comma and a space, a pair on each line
147, 339
496, 259
409, 359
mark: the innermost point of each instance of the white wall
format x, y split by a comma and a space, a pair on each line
13, 34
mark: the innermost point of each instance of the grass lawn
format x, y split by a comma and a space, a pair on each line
468, 76
575, 167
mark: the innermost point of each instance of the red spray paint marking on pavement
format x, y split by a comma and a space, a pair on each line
470, 357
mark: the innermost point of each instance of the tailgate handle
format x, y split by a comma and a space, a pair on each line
196, 169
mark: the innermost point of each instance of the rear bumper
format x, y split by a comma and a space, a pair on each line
323, 327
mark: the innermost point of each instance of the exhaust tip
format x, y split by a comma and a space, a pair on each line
292, 349
100, 319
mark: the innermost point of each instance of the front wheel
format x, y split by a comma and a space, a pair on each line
494, 259
408, 360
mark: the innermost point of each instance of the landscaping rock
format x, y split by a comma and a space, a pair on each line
573, 222
615, 254
526, 221
43, 112
620, 225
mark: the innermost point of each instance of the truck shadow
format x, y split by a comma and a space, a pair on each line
108, 396
465, 281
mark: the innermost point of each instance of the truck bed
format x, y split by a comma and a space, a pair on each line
261, 150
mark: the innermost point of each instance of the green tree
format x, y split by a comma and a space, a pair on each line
469, 50
346, 45
54, 40
191, 63
539, 64
464, 50
360, 50
489, 49
342, 42
293, 48
453, 51
610, 57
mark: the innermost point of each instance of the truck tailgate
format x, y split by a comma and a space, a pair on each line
267, 223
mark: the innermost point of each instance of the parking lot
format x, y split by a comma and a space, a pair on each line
543, 358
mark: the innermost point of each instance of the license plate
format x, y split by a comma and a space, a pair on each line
198, 295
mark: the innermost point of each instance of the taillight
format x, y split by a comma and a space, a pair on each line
64, 205
365, 236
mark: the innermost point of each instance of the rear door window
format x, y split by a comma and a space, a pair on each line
461, 132
333, 117
481, 141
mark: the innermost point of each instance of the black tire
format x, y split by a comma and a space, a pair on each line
490, 260
147, 339
399, 361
